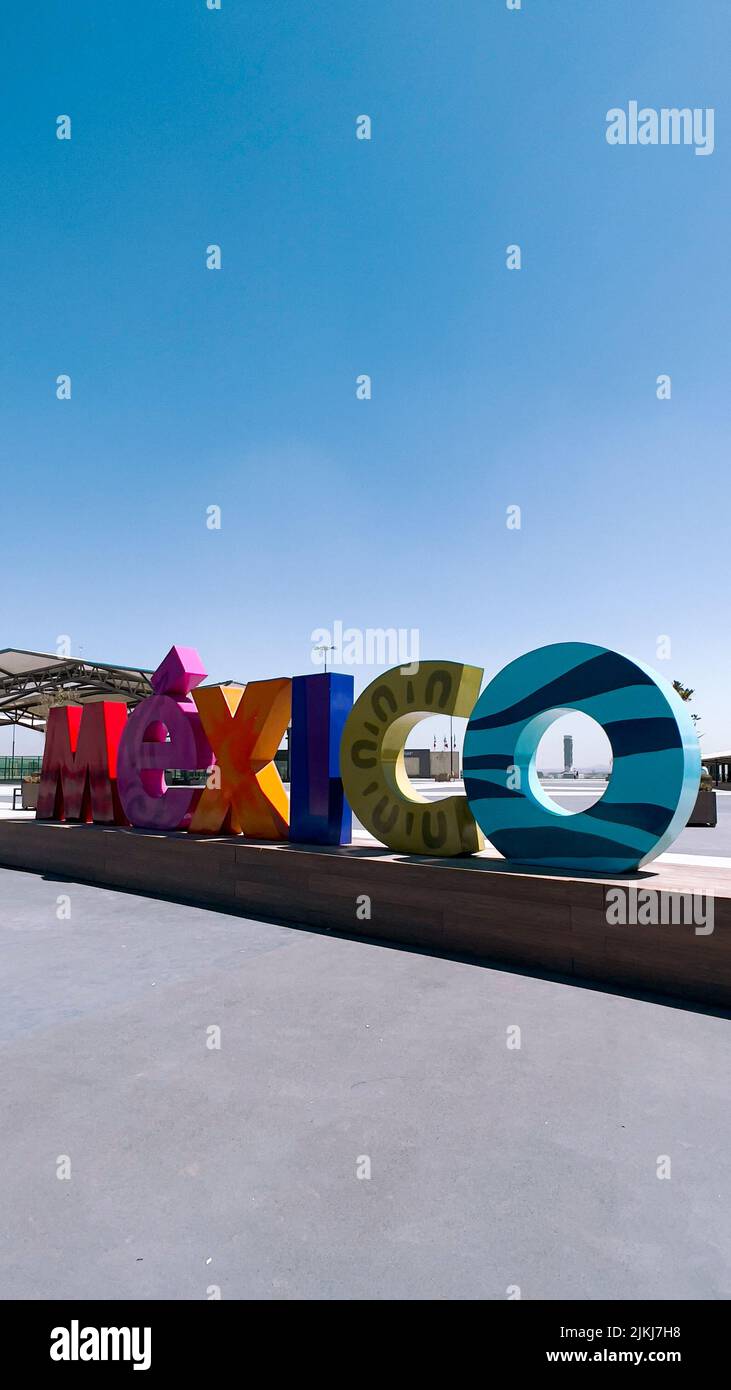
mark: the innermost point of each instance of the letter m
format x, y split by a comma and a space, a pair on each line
79, 772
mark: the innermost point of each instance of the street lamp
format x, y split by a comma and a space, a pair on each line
325, 650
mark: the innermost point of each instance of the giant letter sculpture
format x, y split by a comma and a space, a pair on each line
648, 800
656, 768
164, 732
372, 761
79, 771
245, 725
318, 811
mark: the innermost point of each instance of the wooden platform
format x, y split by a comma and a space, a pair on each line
479, 906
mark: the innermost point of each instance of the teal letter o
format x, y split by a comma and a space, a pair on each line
656, 760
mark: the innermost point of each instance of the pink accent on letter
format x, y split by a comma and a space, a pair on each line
179, 672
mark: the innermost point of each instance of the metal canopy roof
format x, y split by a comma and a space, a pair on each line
32, 682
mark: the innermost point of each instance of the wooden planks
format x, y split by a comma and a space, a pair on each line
478, 906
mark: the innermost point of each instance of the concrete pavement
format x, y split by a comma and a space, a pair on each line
195, 1168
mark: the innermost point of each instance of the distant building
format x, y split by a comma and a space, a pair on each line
431, 762
568, 753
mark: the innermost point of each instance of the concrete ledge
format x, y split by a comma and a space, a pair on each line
478, 906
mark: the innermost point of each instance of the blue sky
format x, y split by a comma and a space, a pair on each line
236, 387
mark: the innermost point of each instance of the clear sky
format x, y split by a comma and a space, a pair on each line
236, 388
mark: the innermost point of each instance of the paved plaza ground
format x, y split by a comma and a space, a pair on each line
195, 1168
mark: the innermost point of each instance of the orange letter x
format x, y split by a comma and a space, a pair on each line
244, 726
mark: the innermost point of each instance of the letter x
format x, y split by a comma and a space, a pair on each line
244, 726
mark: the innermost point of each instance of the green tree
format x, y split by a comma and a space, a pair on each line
686, 693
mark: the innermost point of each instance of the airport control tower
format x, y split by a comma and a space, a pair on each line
568, 753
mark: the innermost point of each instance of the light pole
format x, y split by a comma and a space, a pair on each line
325, 650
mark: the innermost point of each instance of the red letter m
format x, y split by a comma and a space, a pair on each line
79, 772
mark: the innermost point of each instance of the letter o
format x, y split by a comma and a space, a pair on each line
655, 775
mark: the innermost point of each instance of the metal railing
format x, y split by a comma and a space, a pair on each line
15, 769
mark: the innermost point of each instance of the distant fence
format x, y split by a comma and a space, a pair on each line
198, 778
15, 769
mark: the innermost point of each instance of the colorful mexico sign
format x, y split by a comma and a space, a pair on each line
104, 765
